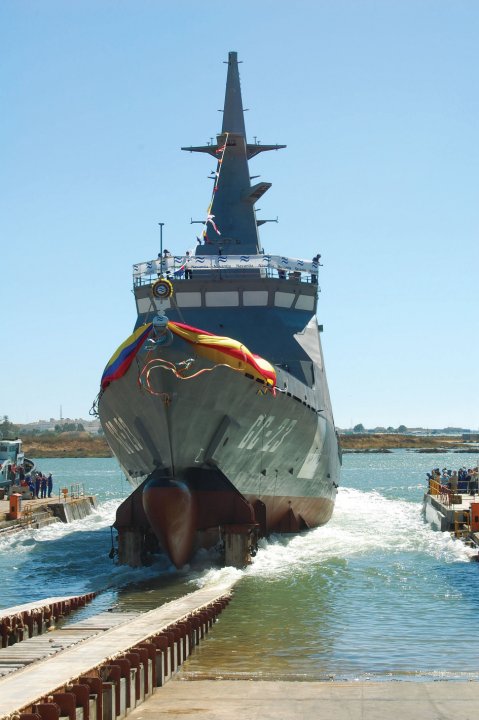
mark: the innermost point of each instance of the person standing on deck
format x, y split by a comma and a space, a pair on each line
314, 275
43, 486
31, 485
166, 256
454, 482
188, 273
49, 484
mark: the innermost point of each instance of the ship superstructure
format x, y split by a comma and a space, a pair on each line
217, 406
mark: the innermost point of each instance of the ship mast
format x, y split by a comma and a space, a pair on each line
232, 227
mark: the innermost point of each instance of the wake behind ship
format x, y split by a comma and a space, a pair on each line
217, 406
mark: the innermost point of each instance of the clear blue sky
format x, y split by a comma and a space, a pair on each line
377, 102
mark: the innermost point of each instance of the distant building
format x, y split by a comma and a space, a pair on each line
41, 426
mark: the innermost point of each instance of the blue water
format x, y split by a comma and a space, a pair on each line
373, 594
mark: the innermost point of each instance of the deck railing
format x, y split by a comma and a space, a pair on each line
274, 266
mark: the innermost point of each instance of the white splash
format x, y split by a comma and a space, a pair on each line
101, 517
362, 523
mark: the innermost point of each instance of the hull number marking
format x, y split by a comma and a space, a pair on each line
268, 431
123, 435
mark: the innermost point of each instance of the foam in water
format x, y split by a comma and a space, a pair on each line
358, 597
102, 517
362, 523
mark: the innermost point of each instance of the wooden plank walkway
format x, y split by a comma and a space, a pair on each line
24, 621
36, 605
52, 642
23, 687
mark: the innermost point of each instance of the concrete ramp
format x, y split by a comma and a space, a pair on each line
283, 700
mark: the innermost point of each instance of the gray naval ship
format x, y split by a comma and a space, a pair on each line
217, 406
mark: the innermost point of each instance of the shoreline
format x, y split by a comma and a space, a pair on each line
387, 443
426, 451
84, 445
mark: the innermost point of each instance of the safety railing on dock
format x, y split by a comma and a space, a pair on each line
74, 492
27, 515
442, 492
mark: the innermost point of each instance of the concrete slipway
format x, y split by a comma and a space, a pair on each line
114, 665
282, 700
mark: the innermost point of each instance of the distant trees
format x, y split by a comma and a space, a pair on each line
69, 427
27, 432
359, 428
7, 429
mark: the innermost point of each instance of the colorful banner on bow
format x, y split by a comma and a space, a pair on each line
219, 349
227, 351
121, 360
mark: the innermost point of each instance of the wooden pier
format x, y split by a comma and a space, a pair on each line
25, 621
102, 667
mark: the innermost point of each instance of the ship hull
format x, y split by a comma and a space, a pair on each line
218, 449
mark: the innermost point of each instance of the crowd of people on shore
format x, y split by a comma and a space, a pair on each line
39, 484
462, 480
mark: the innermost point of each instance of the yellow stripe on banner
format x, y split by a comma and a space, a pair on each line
226, 350
220, 356
218, 340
